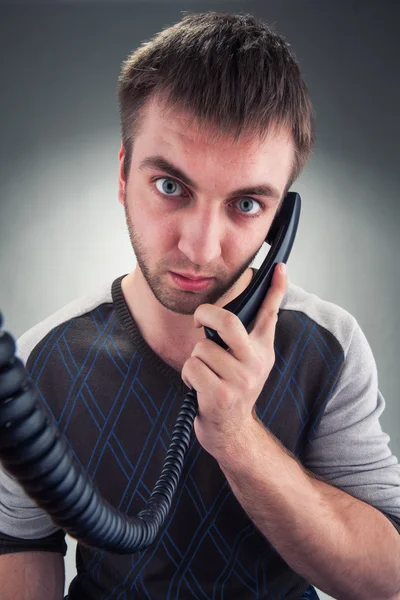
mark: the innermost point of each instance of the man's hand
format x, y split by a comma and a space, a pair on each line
228, 383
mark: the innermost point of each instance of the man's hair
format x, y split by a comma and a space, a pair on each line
231, 72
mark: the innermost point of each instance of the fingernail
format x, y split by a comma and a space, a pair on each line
283, 268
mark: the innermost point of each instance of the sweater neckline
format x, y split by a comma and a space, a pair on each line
132, 330
128, 322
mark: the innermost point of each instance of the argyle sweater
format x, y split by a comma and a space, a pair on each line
116, 402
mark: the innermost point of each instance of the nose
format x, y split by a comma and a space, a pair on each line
200, 238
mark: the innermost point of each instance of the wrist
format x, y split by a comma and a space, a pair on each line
240, 449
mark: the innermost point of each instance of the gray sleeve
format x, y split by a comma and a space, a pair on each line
349, 449
19, 515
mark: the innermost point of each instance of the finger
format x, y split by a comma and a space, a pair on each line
229, 327
221, 362
197, 375
267, 317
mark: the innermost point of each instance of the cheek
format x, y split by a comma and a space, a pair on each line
156, 231
237, 246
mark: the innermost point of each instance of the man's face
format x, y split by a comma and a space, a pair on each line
193, 221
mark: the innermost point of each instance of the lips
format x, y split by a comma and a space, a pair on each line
192, 277
190, 285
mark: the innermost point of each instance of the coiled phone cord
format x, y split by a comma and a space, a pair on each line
38, 457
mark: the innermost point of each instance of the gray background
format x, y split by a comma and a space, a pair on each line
62, 231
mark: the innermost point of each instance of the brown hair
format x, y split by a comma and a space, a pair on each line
230, 71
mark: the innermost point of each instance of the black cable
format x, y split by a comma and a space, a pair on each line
33, 451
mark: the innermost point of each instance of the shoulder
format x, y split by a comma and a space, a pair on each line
77, 308
336, 322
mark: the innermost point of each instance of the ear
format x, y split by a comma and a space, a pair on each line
121, 175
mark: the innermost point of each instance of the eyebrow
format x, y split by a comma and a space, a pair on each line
161, 163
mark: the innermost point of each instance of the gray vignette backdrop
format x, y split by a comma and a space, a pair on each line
62, 231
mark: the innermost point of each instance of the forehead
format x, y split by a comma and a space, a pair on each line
178, 136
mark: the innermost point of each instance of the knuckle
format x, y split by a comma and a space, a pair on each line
203, 346
230, 320
191, 363
273, 315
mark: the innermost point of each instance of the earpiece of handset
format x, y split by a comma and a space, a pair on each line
281, 237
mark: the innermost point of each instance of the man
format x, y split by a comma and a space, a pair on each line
289, 480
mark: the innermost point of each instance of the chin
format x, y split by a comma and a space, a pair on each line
181, 307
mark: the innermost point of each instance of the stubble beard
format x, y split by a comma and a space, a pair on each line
178, 301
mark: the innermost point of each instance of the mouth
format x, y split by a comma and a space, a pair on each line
190, 283
192, 277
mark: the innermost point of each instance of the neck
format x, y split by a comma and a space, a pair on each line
171, 335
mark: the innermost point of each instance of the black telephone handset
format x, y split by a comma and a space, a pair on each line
280, 237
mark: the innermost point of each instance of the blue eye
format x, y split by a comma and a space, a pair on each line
168, 186
247, 204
